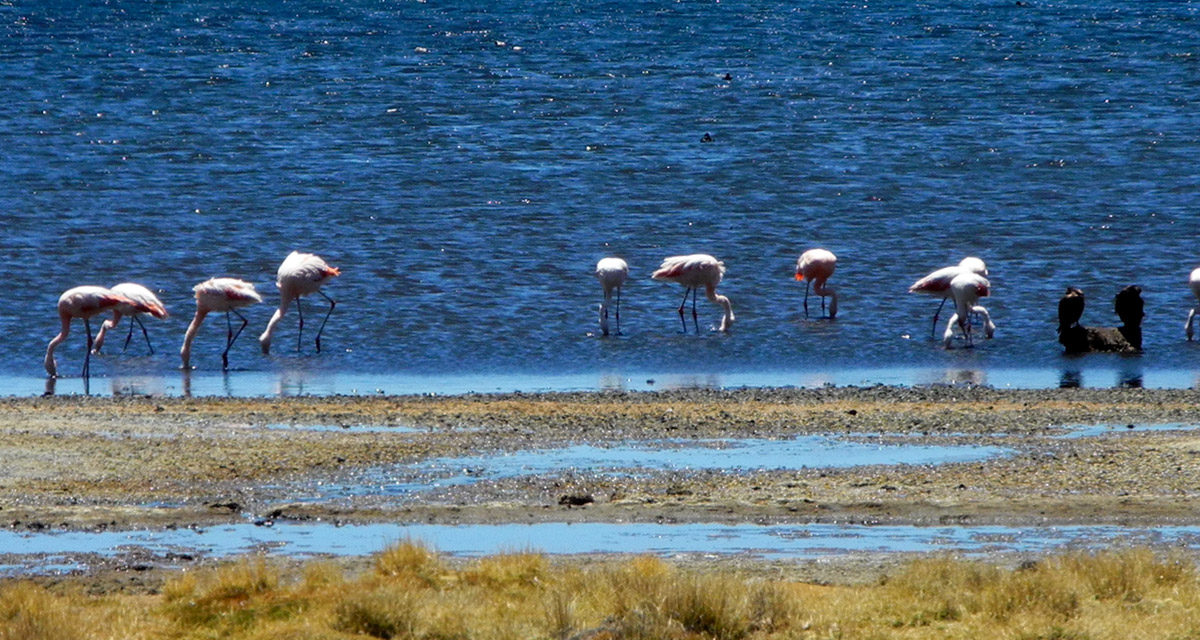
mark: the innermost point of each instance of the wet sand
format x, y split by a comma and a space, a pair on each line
82, 463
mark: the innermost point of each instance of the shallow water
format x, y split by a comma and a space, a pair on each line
465, 165
315, 380
713, 540
640, 458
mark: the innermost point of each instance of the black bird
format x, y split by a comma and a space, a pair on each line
1127, 338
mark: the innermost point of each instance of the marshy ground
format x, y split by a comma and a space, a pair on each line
85, 463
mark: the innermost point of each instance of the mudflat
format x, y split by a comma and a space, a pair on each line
87, 463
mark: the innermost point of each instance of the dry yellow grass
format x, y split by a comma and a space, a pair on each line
412, 593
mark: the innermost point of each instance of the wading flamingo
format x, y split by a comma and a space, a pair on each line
695, 271
219, 294
300, 274
966, 289
1194, 283
611, 272
938, 284
84, 302
814, 267
137, 292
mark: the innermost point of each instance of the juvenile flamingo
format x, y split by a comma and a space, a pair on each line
815, 266
966, 289
219, 294
695, 271
137, 292
937, 284
84, 302
612, 273
300, 274
1194, 283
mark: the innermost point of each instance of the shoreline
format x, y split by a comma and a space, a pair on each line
121, 463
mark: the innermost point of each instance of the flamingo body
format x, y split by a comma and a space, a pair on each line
140, 294
1194, 284
219, 294
695, 271
84, 302
300, 274
937, 283
612, 273
815, 267
966, 289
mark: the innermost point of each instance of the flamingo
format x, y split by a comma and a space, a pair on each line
300, 274
966, 289
1194, 283
84, 302
219, 294
611, 272
815, 266
137, 292
695, 271
937, 284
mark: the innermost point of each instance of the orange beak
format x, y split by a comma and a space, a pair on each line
799, 276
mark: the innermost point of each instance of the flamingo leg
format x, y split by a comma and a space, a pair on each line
145, 334
332, 304
230, 336
618, 311
87, 355
129, 336
806, 283
933, 330
300, 331
683, 304
695, 317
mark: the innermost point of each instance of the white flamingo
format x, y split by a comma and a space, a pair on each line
966, 289
815, 267
84, 302
300, 274
612, 273
937, 284
219, 294
1194, 283
695, 271
137, 292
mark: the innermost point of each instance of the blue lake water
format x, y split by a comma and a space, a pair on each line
466, 164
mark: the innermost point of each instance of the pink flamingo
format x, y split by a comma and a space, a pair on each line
300, 274
1194, 283
815, 266
219, 294
695, 271
612, 273
938, 284
84, 302
966, 289
137, 292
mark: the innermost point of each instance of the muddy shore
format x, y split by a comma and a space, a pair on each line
84, 463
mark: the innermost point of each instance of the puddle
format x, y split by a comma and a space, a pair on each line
763, 541
647, 457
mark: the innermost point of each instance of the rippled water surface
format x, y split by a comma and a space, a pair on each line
465, 165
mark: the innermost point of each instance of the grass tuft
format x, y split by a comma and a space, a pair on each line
409, 592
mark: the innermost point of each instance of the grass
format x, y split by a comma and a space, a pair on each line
410, 592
